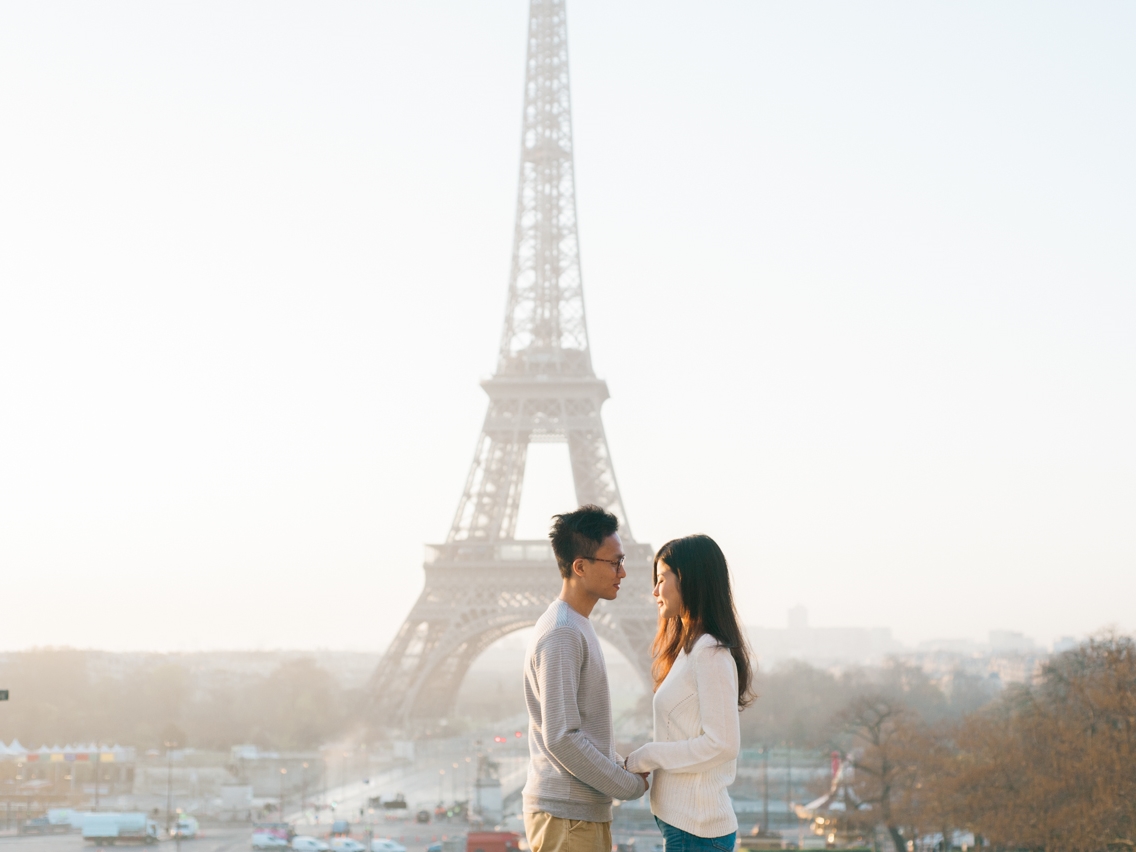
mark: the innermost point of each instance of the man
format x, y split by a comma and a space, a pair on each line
574, 772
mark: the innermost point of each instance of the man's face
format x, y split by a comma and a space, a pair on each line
603, 573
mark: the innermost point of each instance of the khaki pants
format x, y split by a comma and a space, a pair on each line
547, 833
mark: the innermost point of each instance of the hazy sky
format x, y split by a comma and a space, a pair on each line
860, 278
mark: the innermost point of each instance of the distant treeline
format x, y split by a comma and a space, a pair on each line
1049, 765
799, 705
65, 695
58, 697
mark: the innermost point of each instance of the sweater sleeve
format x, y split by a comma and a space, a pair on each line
557, 661
716, 680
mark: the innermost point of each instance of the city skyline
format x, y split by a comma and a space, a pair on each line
859, 283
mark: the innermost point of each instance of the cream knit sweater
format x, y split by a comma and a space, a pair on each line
697, 737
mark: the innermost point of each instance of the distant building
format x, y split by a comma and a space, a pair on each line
1007, 657
961, 647
821, 645
1065, 643
265, 771
56, 773
1010, 641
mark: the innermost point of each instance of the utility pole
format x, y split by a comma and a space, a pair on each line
304, 789
98, 767
283, 772
765, 788
170, 745
8, 804
789, 779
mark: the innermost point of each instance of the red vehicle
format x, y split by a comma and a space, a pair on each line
277, 829
493, 841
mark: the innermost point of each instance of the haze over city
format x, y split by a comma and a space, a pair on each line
859, 278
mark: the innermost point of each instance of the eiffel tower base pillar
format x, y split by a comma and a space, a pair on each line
475, 595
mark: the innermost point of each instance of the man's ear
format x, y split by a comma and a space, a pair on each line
578, 567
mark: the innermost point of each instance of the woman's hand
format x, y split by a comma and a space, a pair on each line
632, 763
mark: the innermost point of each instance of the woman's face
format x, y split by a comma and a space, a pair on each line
667, 594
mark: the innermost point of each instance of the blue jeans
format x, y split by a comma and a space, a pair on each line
677, 840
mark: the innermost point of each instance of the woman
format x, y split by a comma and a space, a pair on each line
702, 680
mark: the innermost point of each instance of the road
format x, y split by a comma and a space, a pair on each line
220, 840
415, 837
442, 771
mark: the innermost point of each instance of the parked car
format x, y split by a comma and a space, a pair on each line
385, 844
43, 825
55, 821
266, 840
307, 843
346, 844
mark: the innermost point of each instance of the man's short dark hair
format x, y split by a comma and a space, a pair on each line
579, 534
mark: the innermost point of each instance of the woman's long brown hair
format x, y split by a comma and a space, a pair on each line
708, 604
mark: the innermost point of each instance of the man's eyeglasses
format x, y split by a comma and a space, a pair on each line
614, 563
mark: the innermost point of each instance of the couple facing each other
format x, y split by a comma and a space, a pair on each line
702, 680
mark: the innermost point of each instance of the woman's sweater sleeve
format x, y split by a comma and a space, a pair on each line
716, 680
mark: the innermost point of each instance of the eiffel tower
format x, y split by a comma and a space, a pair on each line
484, 583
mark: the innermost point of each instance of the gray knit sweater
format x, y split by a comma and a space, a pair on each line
573, 768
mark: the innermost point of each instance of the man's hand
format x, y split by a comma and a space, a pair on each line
646, 783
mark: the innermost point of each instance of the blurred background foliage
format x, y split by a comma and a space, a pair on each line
70, 696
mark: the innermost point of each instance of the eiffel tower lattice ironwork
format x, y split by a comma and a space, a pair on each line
483, 583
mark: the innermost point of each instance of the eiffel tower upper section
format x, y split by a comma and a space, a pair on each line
545, 332
544, 388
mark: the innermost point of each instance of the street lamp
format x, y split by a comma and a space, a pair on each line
304, 790
283, 772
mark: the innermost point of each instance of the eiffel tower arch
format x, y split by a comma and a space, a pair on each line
483, 583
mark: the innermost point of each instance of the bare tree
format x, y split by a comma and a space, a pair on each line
881, 728
1053, 767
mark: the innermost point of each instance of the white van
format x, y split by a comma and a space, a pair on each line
185, 827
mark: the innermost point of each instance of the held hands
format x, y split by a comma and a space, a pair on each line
643, 775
